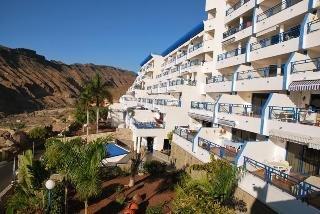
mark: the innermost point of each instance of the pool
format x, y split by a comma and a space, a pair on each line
113, 150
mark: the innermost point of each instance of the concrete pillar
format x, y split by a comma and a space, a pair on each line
279, 66
134, 139
281, 30
139, 139
241, 20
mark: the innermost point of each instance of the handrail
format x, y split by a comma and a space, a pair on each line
258, 73
292, 33
147, 125
236, 29
219, 78
223, 152
231, 53
313, 23
276, 9
236, 6
184, 53
299, 189
314, 65
240, 109
208, 106
196, 47
184, 134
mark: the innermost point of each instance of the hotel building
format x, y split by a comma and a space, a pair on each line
243, 85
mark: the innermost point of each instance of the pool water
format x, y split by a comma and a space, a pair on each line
114, 150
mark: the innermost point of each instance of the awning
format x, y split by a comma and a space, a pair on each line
305, 85
311, 142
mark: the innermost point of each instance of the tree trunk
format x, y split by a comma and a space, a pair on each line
87, 123
98, 111
86, 207
65, 199
131, 181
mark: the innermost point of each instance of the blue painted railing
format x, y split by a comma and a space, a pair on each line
232, 53
240, 109
292, 185
220, 151
184, 133
147, 125
292, 33
276, 9
294, 115
208, 106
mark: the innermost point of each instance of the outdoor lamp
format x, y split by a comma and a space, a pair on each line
50, 184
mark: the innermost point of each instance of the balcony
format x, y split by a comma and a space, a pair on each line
292, 184
282, 43
178, 84
191, 67
280, 13
313, 34
238, 9
227, 153
231, 58
261, 79
185, 133
164, 102
220, 83
237, 29
241, 116
305, 122
181, 57
308, 69
202, 110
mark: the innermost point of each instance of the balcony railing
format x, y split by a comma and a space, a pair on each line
295, 115
184, 53
185, 133
270, 71
276, 39
225, 153
147, 125
183, 82
175, 69
207, 106
276, 9
236, 6
287, 183
195, 47
232, 53
306, 65
240, 109
236, 29
313, 26
219, 78
163, 102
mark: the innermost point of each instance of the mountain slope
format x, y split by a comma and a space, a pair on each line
29, 82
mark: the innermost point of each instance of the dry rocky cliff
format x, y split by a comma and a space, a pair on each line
29, 82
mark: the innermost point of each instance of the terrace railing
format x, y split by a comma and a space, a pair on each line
207, 106
276, 9
163, 102
276, 39
295, 115
183, 82
287, 183
236, 29
240, 109
232, 53
270, 71
196, 47
147, 125
184, 53
236, 6
306, 65
219, 78
184, 133
313, 26
218, 150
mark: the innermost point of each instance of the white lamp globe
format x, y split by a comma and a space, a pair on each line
50, 184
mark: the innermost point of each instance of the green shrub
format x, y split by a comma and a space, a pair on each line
155, 210
17, 126
38, 134
154, 167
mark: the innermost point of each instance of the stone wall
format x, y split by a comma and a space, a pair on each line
180, 158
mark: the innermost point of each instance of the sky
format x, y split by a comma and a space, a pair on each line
119, 33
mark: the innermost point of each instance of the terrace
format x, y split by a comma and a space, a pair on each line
302, 188
185, 133
147, 125
231, 53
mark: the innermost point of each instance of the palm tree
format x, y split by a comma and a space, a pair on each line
85, 100
100, 92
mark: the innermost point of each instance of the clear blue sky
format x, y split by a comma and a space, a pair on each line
111, 32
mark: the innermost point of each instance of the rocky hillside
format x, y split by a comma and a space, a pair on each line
29, 82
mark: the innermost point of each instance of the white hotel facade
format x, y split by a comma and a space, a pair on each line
242, 86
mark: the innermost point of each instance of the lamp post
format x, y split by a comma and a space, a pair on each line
50, 184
